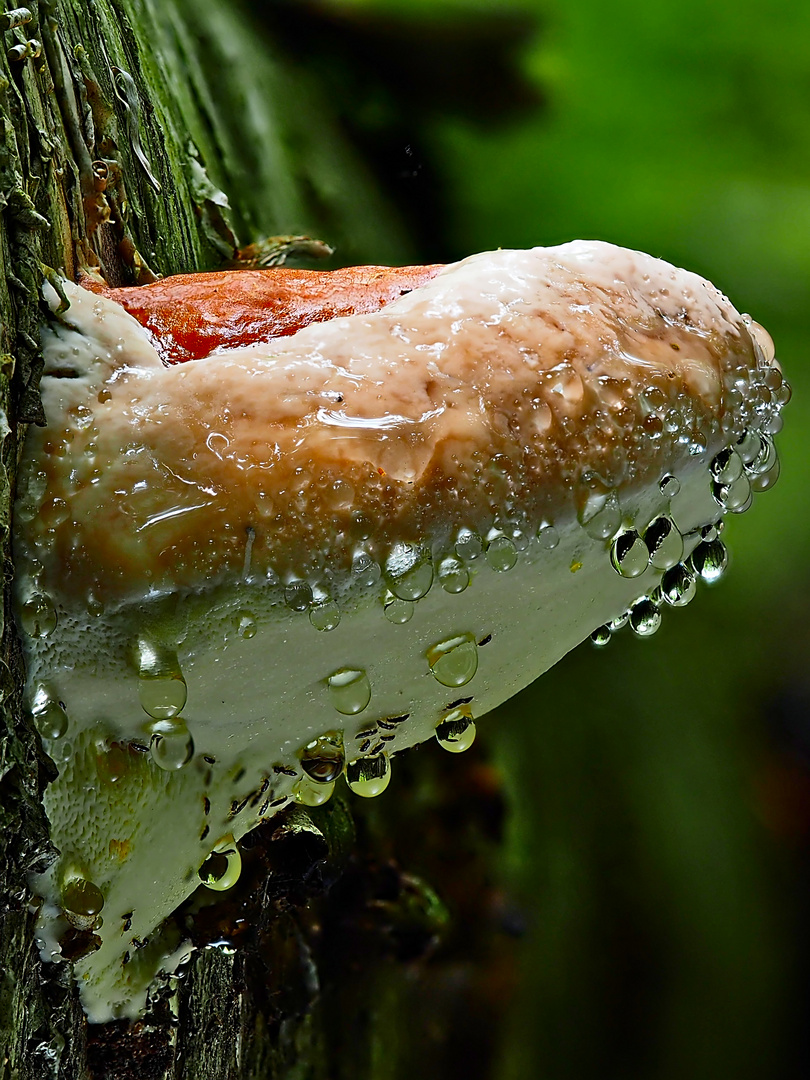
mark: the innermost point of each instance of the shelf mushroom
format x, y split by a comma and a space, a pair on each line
242, 576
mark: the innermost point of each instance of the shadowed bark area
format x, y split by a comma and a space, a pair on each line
144, 138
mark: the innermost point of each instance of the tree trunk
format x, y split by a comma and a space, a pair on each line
148, 137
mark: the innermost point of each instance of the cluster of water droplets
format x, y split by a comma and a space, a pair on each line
162, 693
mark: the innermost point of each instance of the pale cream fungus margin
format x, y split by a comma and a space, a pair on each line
531, 446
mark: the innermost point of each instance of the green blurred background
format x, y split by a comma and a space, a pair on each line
659, 790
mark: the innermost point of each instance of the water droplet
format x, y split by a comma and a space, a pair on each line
664, 543
548, 537
735, 496
601, 515
247, 625
38, 615
222, 868
726, 466
773, 424
501, 553
669, 486
469, 544
82, 897
456, 730
307, 793
365, 570
325, 615
49, 715
765, 457
645, 618
454, 661
322, 759
697, 443
349, 690
341, 495
409, 571
748, 446
369, 776
678, 586
773, 379
765, 480
398, 611
616, 624
53, 512
783, 395
601, 636
709, 560
453, 575
711, 532
298, 595
161, 686
171, 745
629, 554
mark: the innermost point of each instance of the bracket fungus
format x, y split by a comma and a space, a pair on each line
243, 576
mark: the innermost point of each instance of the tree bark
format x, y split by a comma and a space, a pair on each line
145, 137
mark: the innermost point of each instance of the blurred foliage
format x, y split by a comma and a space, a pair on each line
660, 825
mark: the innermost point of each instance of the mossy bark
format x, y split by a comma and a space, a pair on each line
146, 137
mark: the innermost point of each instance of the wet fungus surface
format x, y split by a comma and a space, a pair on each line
248, 575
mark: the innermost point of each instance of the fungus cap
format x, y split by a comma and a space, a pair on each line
240, 575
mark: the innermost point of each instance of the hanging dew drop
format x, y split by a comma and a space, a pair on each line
49, 715
629, 554
664, 543
601, 636
322, 759
307, 793
398, 611
601, 516
501, 554
735, 496
709, 560
711, 532
369, 776
773, 424
349, 690
409, 571
765, 458
325, 615
748, 446
669, 486
678, 586
454, 661
548, 537
365, 571
38, 616
456, 730
766, 480
82, 897
161, 686
454, 577
645, 618
469, 544
727, 466
783, 395
222, 868
172, 747
298, 595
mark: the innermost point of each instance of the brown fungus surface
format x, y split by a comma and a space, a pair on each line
512, 386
